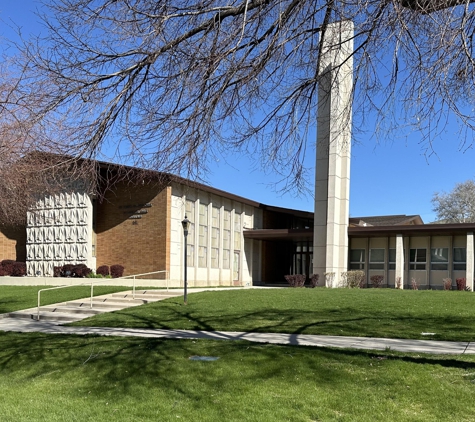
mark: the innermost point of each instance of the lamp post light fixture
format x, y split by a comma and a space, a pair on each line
186, 224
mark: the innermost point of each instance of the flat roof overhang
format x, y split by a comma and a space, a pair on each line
294, 235
415, 230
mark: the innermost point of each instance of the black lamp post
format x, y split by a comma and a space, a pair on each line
186, 224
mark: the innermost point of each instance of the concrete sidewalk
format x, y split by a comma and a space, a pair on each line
364, 343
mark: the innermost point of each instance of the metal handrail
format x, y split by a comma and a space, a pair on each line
92, 287
139, 275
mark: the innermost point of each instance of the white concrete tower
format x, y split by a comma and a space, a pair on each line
332, 179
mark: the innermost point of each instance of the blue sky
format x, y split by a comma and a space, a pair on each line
387, 177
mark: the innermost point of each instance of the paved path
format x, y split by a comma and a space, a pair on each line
413, 346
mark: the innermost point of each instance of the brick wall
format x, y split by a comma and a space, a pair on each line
13, 243
132, 226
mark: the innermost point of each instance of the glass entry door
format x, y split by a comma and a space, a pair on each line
302, 262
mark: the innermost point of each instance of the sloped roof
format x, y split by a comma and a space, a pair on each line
386, 220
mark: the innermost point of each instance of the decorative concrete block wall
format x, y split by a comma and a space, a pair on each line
59, 231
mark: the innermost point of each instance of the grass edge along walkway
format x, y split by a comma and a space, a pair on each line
361, 343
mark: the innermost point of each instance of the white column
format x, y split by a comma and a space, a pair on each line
332, 178
469, 272
399, 273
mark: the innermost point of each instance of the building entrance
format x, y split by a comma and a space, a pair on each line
302, 261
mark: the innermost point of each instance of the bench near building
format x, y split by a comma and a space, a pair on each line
232, 240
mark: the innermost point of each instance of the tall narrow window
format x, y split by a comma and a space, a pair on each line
203, 237
237, 232
376, 259
226, 239
439, 258
357, 258
417, 259
460, 259
215, 238
190, 213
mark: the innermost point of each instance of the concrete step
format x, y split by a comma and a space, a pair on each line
108, 303
48, 316
146, 297
71, 310
171, 293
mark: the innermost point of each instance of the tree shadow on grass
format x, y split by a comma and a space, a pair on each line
166, 361
342, 322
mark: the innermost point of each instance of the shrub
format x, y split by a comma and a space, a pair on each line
352, 279
447, 283
314, 280
398, 283
80, 270
117, 271
329, 277
7, 265
461, 283
19, 269
414, 284
294, 280
377, 280
67, 270
57, 271
103, 270
2, 271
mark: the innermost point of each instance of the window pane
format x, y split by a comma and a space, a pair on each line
376, 255
191, 234
190, 208
237, 222
227, 239
460, 255
202, 256
237, 241
421, 255
226, 259
439, 259
227, 219
214, 258
215, 237
190, 254
417, 259
204, 214
439, 255
203, 236
417, 255
215, 217
357, 255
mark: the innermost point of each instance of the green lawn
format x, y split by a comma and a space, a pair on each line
366, 312
68, 378
14, 298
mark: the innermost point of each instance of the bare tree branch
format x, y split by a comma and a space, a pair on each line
170, 84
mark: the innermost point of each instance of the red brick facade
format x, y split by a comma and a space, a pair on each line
13, 243
133, 227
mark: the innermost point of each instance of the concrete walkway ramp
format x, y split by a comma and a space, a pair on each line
76, 310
